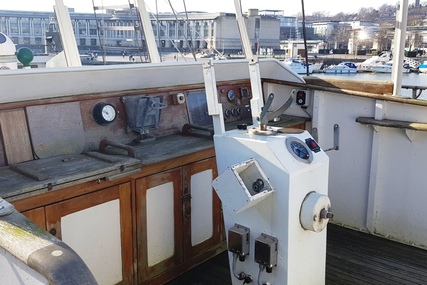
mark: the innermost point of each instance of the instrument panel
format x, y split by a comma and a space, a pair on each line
235, 100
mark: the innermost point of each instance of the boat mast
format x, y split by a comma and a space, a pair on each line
153, 52
254, 73
399, 47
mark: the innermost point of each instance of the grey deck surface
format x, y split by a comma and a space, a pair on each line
352, 258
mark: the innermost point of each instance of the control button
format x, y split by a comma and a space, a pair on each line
312, 144
301, 95
227, 112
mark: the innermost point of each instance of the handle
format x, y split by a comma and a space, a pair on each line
103, 144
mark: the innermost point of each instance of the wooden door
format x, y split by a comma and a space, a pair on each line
98, 226
37, 216
159, 223
201, 208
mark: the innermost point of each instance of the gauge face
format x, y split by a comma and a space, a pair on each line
231, 95
104, 114
109, 113
299, 150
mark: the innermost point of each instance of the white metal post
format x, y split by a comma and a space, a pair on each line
214, 107
68, 39
254, 74
399, 47
148, 32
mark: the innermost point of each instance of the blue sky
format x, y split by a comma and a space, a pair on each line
290, 7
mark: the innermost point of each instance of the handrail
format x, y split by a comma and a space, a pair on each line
40, 251
416, 90
415, 126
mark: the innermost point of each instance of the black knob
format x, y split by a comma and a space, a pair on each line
258, 185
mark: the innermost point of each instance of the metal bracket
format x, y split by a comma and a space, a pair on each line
186, 197
336, 139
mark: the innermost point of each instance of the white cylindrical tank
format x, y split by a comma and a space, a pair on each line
7, 53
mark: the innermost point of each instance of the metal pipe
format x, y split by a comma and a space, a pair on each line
399, 47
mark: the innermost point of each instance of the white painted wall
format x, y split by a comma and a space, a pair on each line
376, 180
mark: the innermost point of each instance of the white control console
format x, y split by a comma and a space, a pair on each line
274, 184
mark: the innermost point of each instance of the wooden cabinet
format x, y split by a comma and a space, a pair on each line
98, 226
201, 208
178, 218
143, 229
37, 216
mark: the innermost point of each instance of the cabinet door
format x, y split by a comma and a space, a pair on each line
201, 208
37, 216
159, 223
98, 226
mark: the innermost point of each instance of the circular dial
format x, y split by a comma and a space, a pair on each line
231, 95
104, 113
299, 149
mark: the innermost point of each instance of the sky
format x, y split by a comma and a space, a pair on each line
289, 7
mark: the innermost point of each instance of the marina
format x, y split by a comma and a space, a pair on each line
163, 169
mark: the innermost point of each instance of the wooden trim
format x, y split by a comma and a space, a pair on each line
105, 95
178, 162
379, 90
37, 216
393, 124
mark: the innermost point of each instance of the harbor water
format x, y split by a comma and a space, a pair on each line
413, 79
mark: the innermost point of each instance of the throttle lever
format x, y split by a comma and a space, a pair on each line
263, 118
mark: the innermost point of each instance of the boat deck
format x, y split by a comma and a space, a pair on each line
352, 258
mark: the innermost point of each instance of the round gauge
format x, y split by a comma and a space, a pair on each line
297, 148
104, 113
231, 95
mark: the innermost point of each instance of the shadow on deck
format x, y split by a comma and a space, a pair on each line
352, 258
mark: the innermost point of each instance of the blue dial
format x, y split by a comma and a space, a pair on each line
231, 95
300, 150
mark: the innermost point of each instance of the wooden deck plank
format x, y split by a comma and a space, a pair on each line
353, 258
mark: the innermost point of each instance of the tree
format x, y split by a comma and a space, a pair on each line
340, 36
384, 36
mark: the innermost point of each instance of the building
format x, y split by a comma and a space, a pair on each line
119, 30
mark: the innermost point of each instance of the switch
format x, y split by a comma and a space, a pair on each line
178, 99
301, 98
238, 241
266, 251
312, 144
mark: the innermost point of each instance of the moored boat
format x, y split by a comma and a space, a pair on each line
298, 67
346, 67
423, 67
388, 67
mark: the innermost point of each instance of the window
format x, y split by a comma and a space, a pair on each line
13, 26
37, 25
25, 26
